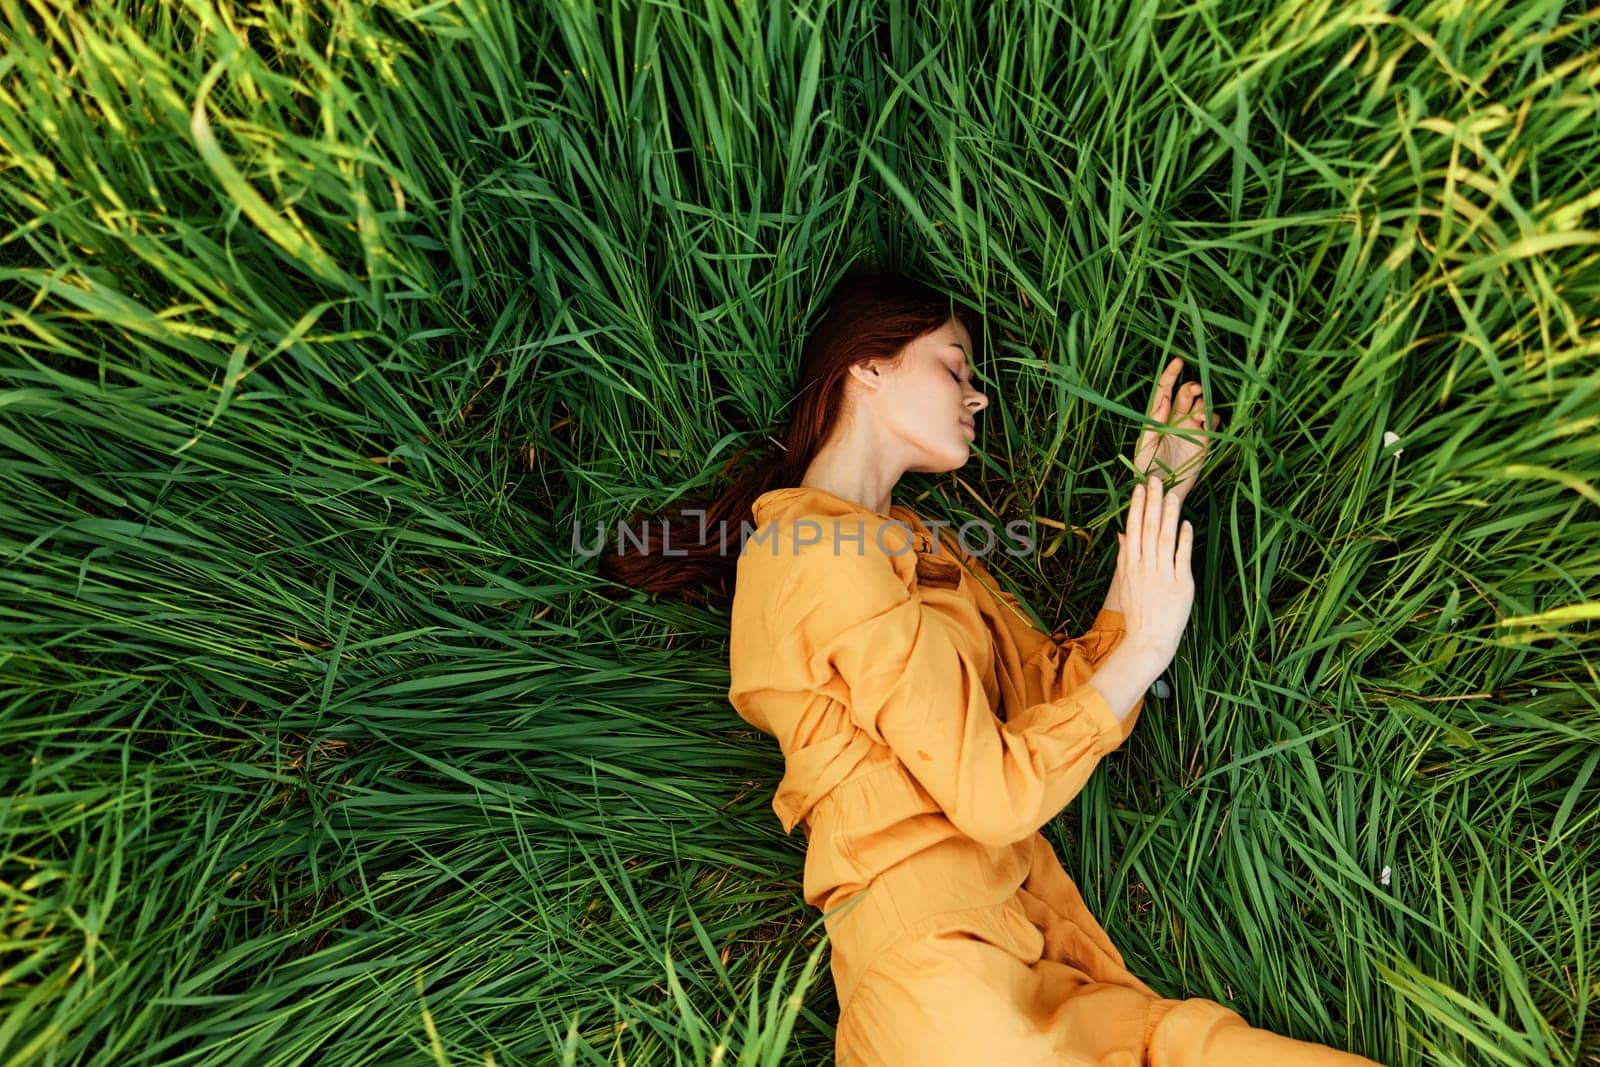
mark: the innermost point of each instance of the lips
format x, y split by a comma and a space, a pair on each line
970, 426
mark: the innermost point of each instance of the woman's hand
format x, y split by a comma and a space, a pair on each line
1153, 581
1163, 453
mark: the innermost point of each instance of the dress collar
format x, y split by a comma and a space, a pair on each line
813, 500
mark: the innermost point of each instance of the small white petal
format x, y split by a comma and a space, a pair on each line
1389, 438
1384, 877
1161, 689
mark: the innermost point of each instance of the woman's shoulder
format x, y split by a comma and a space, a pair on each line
808, 537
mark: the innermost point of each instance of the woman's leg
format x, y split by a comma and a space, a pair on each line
1097, 1018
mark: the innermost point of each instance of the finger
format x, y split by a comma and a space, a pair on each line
1151, 528
1170, 514
1185, 546
1161, 399
1133, 540
1191, 399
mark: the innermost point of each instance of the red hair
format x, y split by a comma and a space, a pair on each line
869, 315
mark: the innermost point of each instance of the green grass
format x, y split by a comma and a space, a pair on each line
322, 324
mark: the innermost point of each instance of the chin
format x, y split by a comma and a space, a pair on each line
944, 463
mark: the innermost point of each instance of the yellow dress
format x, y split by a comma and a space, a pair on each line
929, 730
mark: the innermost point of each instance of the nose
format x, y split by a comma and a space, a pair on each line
976, 401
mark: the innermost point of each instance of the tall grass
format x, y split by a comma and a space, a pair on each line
324, 323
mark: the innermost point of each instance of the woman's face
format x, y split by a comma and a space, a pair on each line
927, 402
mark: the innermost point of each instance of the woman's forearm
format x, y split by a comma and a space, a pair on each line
1124, 675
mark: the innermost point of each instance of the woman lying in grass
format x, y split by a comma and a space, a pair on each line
930, 729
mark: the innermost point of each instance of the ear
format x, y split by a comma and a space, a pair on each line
867, 375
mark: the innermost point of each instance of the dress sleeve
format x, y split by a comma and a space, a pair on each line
1047, 665
911, 681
